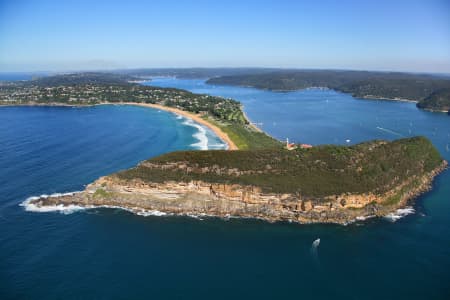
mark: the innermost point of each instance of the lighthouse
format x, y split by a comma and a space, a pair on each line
290, 146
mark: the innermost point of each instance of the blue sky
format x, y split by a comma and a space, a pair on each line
374, 35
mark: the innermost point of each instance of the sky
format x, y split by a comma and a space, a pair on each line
390, 35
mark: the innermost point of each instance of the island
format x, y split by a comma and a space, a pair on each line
431, 92
261, 178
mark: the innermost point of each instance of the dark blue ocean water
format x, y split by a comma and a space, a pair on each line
112, 254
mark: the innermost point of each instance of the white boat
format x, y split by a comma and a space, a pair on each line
316, 243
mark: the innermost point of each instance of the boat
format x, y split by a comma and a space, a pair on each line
316, 243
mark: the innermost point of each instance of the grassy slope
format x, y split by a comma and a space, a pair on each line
244, 136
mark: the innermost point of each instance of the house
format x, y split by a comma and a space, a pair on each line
292, 146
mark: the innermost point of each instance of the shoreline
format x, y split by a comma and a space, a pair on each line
171, 199
251, 124
369, 97
196, 118
365, 97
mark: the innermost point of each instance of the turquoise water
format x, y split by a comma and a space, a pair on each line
112, 254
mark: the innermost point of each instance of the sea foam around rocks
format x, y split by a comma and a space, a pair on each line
64, 209
69, 209
399, 213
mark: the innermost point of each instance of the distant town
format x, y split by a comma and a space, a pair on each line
97, 88
92, 88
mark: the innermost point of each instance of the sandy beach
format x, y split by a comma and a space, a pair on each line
196, 118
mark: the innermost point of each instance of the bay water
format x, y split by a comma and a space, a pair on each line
114, 254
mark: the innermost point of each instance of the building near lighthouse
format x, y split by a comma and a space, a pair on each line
292, 146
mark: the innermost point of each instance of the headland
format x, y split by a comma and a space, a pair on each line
259, 179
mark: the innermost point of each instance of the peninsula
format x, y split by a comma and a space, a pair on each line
259, 179
223, 116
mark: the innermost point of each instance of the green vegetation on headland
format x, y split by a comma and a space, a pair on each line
320, 184
327, 184
245, 136
432, 92
100, 88
375, 167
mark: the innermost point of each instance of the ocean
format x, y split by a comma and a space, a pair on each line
114, 254
17, 76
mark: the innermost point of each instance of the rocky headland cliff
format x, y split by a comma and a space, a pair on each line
327, 184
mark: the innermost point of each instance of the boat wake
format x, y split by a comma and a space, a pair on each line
314, 251
399, 213
390, 131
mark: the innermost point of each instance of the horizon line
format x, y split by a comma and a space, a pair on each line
229, 68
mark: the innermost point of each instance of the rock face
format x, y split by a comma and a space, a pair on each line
223, 200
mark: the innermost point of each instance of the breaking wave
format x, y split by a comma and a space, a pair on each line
399, 213
64, 209
201, 135
69, 209
217, 146
363, 218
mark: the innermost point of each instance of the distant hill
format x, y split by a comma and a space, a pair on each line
193, 73
439, 100
430, 90
71, 79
